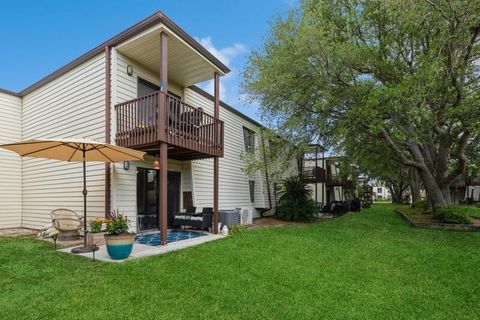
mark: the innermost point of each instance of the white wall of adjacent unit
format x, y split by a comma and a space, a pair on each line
71, 106
10, 163
321, 192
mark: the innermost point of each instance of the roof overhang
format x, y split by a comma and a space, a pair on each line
186, 64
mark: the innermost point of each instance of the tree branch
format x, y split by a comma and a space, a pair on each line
399, 152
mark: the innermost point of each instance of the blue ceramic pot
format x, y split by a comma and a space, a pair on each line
119, 246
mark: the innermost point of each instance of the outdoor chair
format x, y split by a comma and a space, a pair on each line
202, 221
68, 223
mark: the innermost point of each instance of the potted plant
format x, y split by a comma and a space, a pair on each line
97, 224
118, 240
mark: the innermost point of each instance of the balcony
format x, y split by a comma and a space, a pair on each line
190, 132
320, 175
334, 180
314, 174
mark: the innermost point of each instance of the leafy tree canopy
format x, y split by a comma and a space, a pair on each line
404, 73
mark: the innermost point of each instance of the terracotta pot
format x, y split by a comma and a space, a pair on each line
119, 246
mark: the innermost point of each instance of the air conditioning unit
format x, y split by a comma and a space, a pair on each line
237, 216
246, 216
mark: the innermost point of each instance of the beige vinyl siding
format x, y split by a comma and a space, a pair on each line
71, 106
233, 182
10, 162
127, 85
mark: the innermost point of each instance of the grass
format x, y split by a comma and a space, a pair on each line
368, 265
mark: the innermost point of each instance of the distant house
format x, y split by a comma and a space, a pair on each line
135, 90
380, 192
323, 175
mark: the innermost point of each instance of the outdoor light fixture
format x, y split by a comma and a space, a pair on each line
126, 165
129, 70
156, 165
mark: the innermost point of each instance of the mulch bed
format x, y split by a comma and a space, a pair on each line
272, 222
438, 225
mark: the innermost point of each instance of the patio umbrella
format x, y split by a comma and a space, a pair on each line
75, 150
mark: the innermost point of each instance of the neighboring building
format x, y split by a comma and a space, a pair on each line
465, 190
136, 90
323, 176
380, 192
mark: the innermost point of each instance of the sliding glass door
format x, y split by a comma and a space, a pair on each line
148, 188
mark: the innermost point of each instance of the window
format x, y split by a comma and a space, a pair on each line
249, 139
251, 185
145, 87
379, 190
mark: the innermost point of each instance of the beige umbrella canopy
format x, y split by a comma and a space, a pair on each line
75, 150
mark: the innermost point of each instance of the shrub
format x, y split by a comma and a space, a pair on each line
237, 229
452, 214
421, 205
295, 202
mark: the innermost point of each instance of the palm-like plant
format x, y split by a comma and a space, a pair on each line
295, 202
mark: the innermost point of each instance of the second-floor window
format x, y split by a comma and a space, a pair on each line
145, 87
249, 139
379, 190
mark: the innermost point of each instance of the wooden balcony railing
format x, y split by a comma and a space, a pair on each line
142, 123
313, 174
322, 176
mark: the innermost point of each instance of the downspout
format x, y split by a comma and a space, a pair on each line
107, 126
264, 151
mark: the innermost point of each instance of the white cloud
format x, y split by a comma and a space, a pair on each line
226, 55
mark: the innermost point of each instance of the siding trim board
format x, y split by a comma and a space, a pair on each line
108, 107
10, 92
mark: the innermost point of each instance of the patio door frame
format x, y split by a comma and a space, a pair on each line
173, 198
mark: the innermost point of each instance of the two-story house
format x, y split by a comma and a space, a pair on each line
136, 90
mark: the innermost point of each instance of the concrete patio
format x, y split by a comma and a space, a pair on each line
143, 250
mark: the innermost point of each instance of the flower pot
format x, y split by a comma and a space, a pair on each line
119, 246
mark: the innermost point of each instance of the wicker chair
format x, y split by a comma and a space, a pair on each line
68, 223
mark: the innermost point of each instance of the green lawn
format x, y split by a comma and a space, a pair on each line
369, 265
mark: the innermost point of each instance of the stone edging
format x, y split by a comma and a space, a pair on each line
437, 225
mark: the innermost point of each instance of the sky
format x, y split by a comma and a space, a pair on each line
39, 37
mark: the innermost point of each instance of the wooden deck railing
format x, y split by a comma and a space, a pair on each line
141, 122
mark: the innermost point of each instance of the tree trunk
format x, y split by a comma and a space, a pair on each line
434, 192
447, 194
414, 184
396, 192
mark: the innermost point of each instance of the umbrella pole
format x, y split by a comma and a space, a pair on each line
85, 236
85, 247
